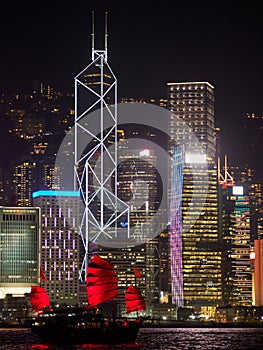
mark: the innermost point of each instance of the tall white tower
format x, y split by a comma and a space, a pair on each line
96, 153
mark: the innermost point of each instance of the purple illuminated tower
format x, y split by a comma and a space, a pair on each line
176, 227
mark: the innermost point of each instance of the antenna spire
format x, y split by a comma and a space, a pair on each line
106, 34
95, 52
92, 36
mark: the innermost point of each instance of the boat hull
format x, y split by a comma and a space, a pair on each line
84, 329
66, 335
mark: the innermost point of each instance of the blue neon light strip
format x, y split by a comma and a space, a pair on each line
55, 193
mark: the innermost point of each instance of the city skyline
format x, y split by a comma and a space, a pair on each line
149, 46
211, 228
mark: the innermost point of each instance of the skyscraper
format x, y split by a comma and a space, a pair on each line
19, 250
95, 161
192, 124
30, 175
193, 103
137, 185
24, 182
236, 265
106, 219
60, 244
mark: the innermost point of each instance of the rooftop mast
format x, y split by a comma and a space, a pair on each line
106, 36
224, 179
92, 36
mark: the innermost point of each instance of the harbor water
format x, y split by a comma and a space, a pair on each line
150, 339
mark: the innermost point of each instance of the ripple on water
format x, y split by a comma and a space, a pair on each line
151, 339
203, 338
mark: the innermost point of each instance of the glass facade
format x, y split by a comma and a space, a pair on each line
19, 249
193, 103
201, 246
237, 281
192, 123
137, 183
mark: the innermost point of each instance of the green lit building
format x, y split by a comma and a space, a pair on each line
19, 250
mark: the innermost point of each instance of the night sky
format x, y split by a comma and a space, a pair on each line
150, 44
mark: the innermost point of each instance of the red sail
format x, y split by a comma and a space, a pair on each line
42, 275
137, 272
101, 281
39, 298
134, 300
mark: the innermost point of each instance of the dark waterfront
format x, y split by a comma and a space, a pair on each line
151, 339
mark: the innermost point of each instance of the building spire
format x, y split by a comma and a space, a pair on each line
92, 36
106, 35
94, 52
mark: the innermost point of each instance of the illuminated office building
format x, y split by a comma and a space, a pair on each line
194, 104
137, 185
60, 244
236, 264
192, 124
49, 176
247, 177
19, 250
30, 175
24, 182
125, 260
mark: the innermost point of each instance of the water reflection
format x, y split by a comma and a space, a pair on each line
151, 339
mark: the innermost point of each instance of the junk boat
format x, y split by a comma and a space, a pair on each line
84, 325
